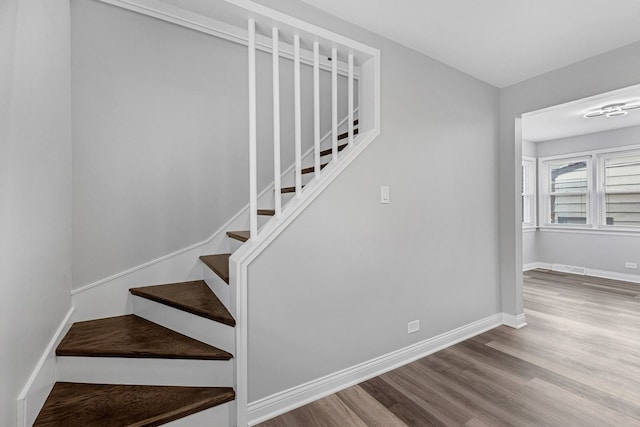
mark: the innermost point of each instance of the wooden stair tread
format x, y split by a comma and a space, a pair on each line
109, 405
267, 212
193, 297
289, 189
219, 263
346, 134
312, 168
243, 236
135, 337
330, 150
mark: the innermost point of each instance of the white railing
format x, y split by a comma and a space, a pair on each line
253, 125
361, 68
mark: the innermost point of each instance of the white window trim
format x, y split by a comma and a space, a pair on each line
531, 162
601, 185
596, 199
544, 186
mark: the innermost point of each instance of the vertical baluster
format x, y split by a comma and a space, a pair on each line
334, 103
276, 120
316, 107
253, 185
297, 113
350, 99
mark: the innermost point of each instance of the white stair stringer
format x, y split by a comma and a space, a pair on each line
206, 330
145, 371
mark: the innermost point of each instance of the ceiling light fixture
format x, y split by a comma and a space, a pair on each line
612, 110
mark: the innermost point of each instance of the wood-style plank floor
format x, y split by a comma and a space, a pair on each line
577, 363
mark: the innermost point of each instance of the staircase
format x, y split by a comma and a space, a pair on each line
161, 355
132, 371
180, 357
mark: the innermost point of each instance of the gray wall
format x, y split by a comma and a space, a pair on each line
594, 251
602, 73
338, 287
530, 246
35, 187
160, 152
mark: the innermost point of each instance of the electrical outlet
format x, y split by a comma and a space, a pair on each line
384, 194
633, 265
413, 326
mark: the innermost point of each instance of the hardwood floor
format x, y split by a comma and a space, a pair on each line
577, 363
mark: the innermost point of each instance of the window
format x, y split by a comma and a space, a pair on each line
528, 192
621, 189
597, 189
567, 191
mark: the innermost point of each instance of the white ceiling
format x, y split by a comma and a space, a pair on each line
499, 41
565, 120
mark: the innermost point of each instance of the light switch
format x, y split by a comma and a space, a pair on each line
384, 194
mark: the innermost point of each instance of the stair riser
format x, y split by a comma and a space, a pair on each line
220, 288
221, 415
234, 244
107, 370
196, 327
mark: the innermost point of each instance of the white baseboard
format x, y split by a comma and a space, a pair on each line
614, 275
42, 379
530, 266
634, 278
512, 321
279, 403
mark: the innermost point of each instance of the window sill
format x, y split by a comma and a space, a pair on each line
590, 230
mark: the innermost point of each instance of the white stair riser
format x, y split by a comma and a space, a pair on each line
208, 331
218, 416
115, 370
234, 244
219, 287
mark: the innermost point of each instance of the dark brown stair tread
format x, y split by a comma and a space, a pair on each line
330, 150
267, 212
346, 134
243, 236
219, 263
193, 297
312, 168
109, 405
133, 336
289, 189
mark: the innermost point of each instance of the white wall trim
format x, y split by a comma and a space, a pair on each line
279, 403
604, 274
512, 321
203, 24
531, 266
609, 231
42, 379
634, 278
217, 233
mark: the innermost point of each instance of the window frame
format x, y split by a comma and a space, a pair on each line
545, 193
530, 190
601, 188
596, 197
